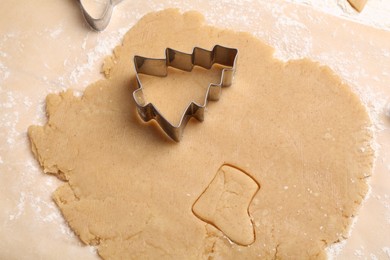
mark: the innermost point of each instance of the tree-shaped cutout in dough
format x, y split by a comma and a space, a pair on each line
225, 203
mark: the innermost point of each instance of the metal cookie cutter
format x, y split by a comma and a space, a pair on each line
159, 67
99, 24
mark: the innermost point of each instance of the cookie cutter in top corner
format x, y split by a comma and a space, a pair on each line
183, 61
101, 23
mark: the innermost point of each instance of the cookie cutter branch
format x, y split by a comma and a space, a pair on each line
183, 61
99, 24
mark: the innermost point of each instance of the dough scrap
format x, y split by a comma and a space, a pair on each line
358, 4
129, 190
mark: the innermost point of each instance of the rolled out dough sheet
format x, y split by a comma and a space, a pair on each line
72, 56
301, 135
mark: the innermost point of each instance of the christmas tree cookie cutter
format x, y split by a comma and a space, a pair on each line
221, 55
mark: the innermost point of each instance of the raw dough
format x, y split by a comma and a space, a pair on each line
358, 4
294, 127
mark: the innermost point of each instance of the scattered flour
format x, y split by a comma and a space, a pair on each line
55, 33
4, 71
335, 249
102, 47
386, 250
376, 12
388, 110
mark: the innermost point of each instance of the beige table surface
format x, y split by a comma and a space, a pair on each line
46, 47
